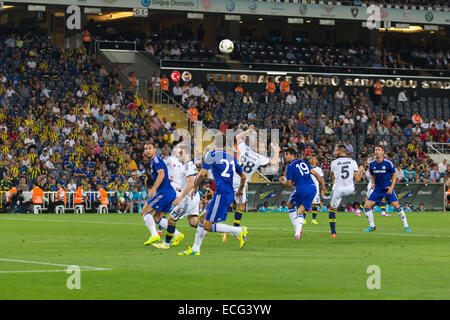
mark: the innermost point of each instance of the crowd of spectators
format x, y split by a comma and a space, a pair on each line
65, 119
416, 59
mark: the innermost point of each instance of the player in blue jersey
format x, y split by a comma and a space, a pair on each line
223, 167
161, 195
383, 179
298, 176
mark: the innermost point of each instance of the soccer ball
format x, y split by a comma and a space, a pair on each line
226, 46
122, 200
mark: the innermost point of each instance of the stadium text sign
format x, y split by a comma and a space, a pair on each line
335, 81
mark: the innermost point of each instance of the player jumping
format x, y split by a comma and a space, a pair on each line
343, 171
298, 176
249, 161
383, 178
223, 167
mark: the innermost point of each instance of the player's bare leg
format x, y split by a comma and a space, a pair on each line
401, 214
193, 221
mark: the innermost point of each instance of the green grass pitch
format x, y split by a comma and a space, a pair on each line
36, 249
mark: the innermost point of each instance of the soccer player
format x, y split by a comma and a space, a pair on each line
185, 206
343, 171
298, 176
249, 161
223, 167
383, 179
161, 195
314, 162
174, 169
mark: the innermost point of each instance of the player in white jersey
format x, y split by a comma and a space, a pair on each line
343, 171
314, 162
249, 161
185, 205
174, 169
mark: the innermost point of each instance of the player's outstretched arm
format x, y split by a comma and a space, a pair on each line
198, 181
240, 136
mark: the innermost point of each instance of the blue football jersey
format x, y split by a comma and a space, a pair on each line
299, 172
158, 164
223, 166
382, 172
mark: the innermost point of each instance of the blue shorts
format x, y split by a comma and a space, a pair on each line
162, 201
303, 196
378, 195
217, 208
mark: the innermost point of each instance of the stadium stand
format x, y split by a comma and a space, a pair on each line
63, 115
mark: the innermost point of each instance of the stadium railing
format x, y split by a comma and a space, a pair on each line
118, 45
438, 147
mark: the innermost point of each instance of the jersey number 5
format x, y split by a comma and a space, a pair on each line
345, 172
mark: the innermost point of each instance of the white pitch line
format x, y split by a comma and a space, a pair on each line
34, 271
257, 228
384, 234
54, 264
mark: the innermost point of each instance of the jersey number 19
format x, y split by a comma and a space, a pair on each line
303, 168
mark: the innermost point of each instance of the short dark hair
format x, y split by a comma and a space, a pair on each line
291, 151
341, 147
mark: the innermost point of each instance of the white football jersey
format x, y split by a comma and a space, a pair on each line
319, 171
175, 171
250, 161
188, 169
343, 170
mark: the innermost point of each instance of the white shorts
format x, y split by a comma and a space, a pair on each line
242, 199
338, 194
316, 199
188, 207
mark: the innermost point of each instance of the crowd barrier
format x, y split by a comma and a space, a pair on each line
50, 196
